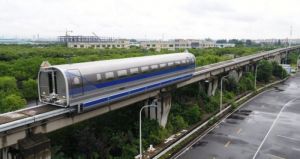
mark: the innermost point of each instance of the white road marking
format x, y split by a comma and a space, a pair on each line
296, 149
274, 156
239, 131
227, 144
290, 138
274, 122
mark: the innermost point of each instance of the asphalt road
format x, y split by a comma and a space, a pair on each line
267, 127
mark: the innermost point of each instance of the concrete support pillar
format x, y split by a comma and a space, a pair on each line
201, 86
252, 68
247, 68
166, 103
35, 146
161, 112
277, 58
215, 86
5, 154
240, 74
209, 88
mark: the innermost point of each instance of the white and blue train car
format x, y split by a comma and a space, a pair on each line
92, 84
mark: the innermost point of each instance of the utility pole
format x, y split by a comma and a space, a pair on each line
291, 33
67, 36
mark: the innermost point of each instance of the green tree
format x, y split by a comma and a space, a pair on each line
192, 114
8, 84
246, 82
278, 71
177, 123
12, 102
29, 89
264, 71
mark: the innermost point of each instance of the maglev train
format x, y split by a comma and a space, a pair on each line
91, 84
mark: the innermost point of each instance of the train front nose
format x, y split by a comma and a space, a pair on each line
52, 87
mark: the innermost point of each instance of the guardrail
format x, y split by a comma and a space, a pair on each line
33, 119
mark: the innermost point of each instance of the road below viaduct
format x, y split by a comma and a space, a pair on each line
266, 127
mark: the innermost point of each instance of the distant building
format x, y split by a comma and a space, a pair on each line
102, 43
93, 42
224, 45
277, 41
120, 43
177, 44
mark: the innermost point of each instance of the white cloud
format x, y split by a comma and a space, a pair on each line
151, 18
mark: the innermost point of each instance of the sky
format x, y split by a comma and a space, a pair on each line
151, 19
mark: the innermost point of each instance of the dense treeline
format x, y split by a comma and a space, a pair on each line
19, 64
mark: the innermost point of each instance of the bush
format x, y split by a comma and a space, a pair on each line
8, 84
29, 89
177, 122
231, 84
278, 71
264, 71
246, 83
192, 114
12, 102
212, 104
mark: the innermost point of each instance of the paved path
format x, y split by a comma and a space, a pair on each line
267, 127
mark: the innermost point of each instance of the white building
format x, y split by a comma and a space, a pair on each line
177, 44
224, 45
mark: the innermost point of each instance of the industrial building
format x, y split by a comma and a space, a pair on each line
224, 45
93, 42
102, 43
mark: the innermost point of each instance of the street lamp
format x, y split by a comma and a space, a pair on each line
221, 94
146, 106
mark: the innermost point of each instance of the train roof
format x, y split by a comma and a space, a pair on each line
116, 64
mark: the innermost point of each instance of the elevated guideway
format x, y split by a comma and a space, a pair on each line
46, 118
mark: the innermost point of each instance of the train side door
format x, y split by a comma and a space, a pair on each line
75, 83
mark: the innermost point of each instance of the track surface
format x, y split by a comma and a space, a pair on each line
267, 127
24, 113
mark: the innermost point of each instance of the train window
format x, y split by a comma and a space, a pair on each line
134, 70
170, 63
153, 67
76, 81
177, 62
187, 61
144, 68
109, 75
162, 65
99, 77
122, 73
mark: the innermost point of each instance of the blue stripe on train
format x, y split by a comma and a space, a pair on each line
91, 87
133, 92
